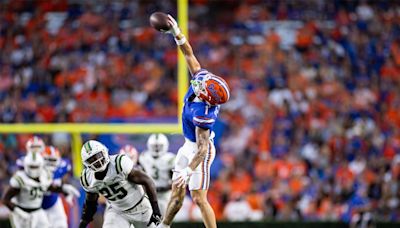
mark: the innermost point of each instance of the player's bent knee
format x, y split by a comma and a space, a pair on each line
199, 199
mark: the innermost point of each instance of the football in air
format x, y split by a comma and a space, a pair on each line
159, 21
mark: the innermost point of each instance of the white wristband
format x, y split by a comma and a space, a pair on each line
181, 41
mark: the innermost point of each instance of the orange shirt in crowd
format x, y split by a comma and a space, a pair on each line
344, 174
241, 182
263, 169
282, 168
255, 200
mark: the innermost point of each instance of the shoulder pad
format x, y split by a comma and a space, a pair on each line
84, 179
118, 166
19, 179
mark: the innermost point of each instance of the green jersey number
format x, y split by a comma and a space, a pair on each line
156, 173
113, 192
36, 192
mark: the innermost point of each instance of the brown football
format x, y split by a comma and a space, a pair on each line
159, 21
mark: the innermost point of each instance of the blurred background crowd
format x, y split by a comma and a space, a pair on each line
312, 128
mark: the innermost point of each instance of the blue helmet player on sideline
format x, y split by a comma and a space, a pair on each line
194, 158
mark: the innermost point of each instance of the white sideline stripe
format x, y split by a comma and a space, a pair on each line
203, 121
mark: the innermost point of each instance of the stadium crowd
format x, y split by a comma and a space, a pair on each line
312, 128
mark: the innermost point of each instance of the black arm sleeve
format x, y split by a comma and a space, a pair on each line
90, 207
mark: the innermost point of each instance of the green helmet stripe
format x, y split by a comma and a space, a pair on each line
34, 156
87, 146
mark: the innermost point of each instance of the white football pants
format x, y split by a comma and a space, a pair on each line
56, 215
37, 219
138, 216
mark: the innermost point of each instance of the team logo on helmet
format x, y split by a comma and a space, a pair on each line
210, 88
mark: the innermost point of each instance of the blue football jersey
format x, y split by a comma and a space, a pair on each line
51, 198
197, 113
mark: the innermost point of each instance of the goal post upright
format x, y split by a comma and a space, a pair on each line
183, 81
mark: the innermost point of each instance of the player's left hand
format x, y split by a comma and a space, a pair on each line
183, 177
155, 218
70, 190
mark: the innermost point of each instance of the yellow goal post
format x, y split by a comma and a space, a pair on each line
76, 129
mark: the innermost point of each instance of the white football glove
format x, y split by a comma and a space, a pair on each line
21, 213
183, 177
70, 190
174, 28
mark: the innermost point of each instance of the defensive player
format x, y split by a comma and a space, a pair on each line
52, 203
158, 163
200, 111
25, 195
116, 178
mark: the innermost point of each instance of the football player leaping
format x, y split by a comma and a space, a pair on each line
158, 163
116, 178
25, 195
194, 158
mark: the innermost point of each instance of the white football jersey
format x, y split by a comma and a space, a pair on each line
120, 193
31, 191
158, 168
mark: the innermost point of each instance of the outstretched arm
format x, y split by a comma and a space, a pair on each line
89, 209
184, 46
137, 176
